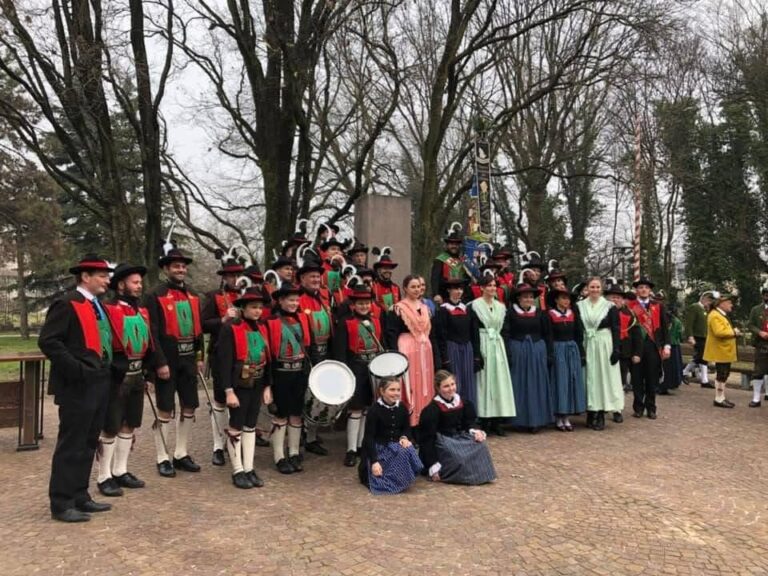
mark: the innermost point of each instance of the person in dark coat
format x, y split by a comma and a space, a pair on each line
77, 339
449, 264
630, 336
452, 447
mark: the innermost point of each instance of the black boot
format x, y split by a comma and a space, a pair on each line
600, 421
590, 419
497, 428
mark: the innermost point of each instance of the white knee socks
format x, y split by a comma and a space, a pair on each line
719, 391
160, 431
235, 450
182, 435
353, 430
248, 441
277, 438
122, 451
294, 439
218, 425
106, 453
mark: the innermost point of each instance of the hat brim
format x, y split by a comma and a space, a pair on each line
231, 270
388, 265
95, 267
165, 260
125, 273
648, 283
307, 269
241, 302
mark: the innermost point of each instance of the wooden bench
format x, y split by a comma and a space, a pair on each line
21, 401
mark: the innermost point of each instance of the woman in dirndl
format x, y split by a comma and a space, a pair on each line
525, 330
600, 324
409, 331
452, 448
390, 463
565, 374
453, 328
495, 397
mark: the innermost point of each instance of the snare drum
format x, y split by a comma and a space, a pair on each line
331, 386
387, 365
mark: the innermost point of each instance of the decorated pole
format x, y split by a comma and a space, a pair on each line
638, 194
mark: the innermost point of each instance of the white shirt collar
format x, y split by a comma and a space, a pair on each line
84, 292
452, 404
451, 307
387, 406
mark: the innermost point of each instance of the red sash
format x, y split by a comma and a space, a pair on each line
649, 320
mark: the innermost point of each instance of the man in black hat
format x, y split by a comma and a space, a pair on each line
656, 347
284, 268
449, 265
385, 292
132, 356
314, 302
758, 326
534, 268
174, 312
289, 338
630, 336
695, 331
77, 340
333, 263
218, 309
358, 255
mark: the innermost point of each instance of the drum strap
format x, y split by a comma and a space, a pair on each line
373, 335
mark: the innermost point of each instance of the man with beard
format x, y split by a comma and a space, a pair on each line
77, 339
449, 265
132, 356
758, 326
358, 255
386, 293
219, 309
174, 313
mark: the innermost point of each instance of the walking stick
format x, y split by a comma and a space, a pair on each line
157, 419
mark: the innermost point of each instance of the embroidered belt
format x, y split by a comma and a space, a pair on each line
134, 367
319, 349
366, 356
185, 348
293, 366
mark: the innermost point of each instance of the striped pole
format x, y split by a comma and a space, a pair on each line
638, 201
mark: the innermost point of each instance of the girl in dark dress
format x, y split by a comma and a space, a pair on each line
452, 448
566, 342
453, 329
390, 463
525, 330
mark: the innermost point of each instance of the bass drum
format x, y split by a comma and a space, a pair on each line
331, 386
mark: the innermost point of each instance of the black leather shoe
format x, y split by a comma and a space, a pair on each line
218, 458
254, 478
261, 443
186, 464
241, 481
754, 404
91, 506
350, 459
296, 463
708, 385
128, 480
652, 415
498, 429
618, 417
315, 448
599, 421
284, 466
71, 515
590, 419
109, 488
723, 404
165, 468
637, 414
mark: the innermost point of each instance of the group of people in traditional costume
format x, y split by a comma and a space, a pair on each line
484, 354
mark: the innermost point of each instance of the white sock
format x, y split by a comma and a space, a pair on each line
311, 432
106, 453
688, 370
122, 451
353, 430
160, 430
719, 391
248, 440
235, 450
219, 423
277, 438
361, 433
703, 373
294, 439
183, 427
757, 386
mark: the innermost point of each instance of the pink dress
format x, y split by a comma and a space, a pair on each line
417, 347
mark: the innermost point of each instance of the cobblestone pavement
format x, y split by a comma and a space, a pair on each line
682, 495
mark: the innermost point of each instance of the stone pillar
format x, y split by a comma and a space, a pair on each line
386, 221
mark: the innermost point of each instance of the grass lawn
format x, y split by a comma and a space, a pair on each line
8, 345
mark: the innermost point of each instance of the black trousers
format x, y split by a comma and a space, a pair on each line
645, 378
81, 417
698, 349
625, 367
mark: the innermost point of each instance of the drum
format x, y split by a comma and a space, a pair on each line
387, 365
331, 386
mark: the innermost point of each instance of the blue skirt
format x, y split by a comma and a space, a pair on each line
530, 382
673, 369
464, 461
400, 465
463, 367
569, 395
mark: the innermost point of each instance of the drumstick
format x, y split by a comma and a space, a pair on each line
367, 324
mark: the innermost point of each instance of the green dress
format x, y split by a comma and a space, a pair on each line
495, 398
604, 389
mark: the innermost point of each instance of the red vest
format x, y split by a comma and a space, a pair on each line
626, 321
168, 306
557, 318
86, 316
379, 290
225, 301
240, 332
117, 313
355, 342
275, 332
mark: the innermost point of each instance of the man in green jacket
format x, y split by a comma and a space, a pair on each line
758, 326
695, 332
